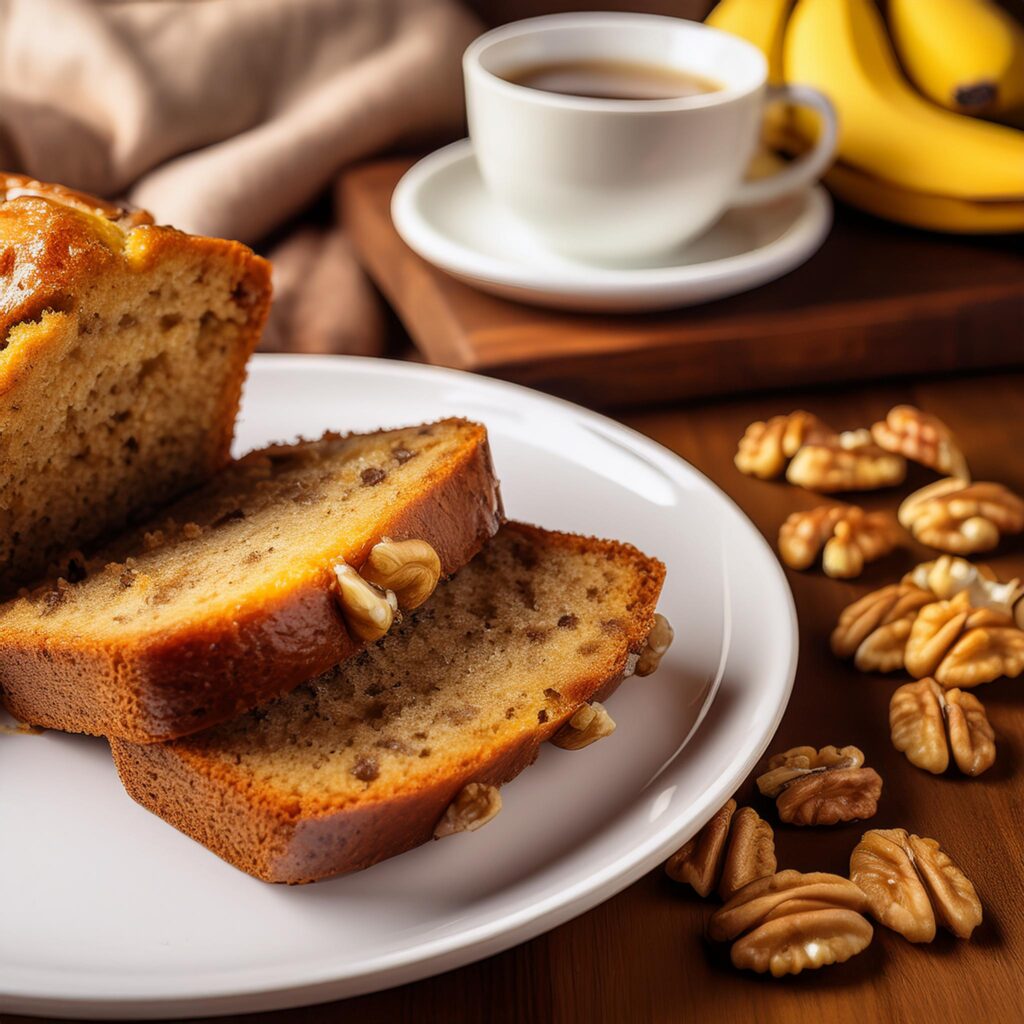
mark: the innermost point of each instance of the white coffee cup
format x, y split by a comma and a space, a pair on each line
621, 180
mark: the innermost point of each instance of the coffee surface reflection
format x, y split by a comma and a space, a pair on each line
611, 80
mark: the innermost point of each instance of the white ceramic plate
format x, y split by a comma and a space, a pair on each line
443, 212
106, 911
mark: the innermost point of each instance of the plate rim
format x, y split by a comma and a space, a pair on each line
427, 957
797, 243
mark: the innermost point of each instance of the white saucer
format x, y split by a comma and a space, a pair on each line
443, 212
108, 912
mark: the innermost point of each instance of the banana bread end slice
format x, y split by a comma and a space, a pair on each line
123, 347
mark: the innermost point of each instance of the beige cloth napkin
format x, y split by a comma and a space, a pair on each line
226, 117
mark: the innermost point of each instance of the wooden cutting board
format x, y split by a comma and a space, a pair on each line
876, 301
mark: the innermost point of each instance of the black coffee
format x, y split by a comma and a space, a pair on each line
612, 80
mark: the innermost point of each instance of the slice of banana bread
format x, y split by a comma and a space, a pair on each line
122, 353
231, 598
361, 763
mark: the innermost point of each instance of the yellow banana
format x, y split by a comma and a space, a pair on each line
967, 55
761, 22
922, 210
886, 128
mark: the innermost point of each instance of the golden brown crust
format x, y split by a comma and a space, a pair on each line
53, 247
171, 685
274, 841
19, 186
278, 838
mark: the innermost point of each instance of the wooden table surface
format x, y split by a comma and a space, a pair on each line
862, 308
641, 956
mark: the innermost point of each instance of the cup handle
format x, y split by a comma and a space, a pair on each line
805, 170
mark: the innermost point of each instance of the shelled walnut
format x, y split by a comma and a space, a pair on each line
788, 922
396, 575
821, 787
474, 805
750, 854
947, 575
927, 722
732, 849
962, 518
845, 535
589, 724
950, 575
368, 610
409, 568
850, 461
948, 619
921, 437
874, 629
766, 447
658, 642
910, 883
963, 646
698, 862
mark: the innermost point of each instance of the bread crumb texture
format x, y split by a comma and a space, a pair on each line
274, 517
229, 597
360, 763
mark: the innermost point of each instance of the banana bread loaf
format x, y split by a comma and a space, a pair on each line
232, 596
361, 763
122, 353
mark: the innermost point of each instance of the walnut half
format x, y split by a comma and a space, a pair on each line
750, 854
409, 568
947, 575
874, 630
962, 518
845, 535
849, 462
698, 862
368, 610
589, 724
927, 722
910, 883
658, 642
949, 619
788, 922
732, 849
923, 438
790, 941
474, 805
959, 645
821, 787
766, 447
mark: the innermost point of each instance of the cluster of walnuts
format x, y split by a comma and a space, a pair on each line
784, 922
950, 624
953, 515
949, 619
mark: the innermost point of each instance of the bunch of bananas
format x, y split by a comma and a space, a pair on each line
921, 156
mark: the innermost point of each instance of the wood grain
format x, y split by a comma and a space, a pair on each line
876, 301
641, 956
